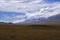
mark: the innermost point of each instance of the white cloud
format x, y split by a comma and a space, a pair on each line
18, 6
46, 12
18, 21
31, 8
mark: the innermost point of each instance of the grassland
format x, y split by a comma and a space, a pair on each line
26, 32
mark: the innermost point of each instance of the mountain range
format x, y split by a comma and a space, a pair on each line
49, 21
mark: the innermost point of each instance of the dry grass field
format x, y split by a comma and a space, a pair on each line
25, 32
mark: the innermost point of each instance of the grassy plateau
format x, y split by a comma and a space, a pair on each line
29, 32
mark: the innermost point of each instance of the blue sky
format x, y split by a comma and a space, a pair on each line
16, 11
51, 1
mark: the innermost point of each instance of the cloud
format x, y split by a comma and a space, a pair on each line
30, 9
11, 17
46, 12
18, 6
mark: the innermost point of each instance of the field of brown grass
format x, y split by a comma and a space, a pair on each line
25, 32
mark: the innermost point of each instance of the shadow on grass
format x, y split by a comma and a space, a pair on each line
41, 26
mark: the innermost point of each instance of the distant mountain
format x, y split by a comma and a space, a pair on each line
53, 20
42, 21
36, 20
5, 23
2, 23
33, 21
